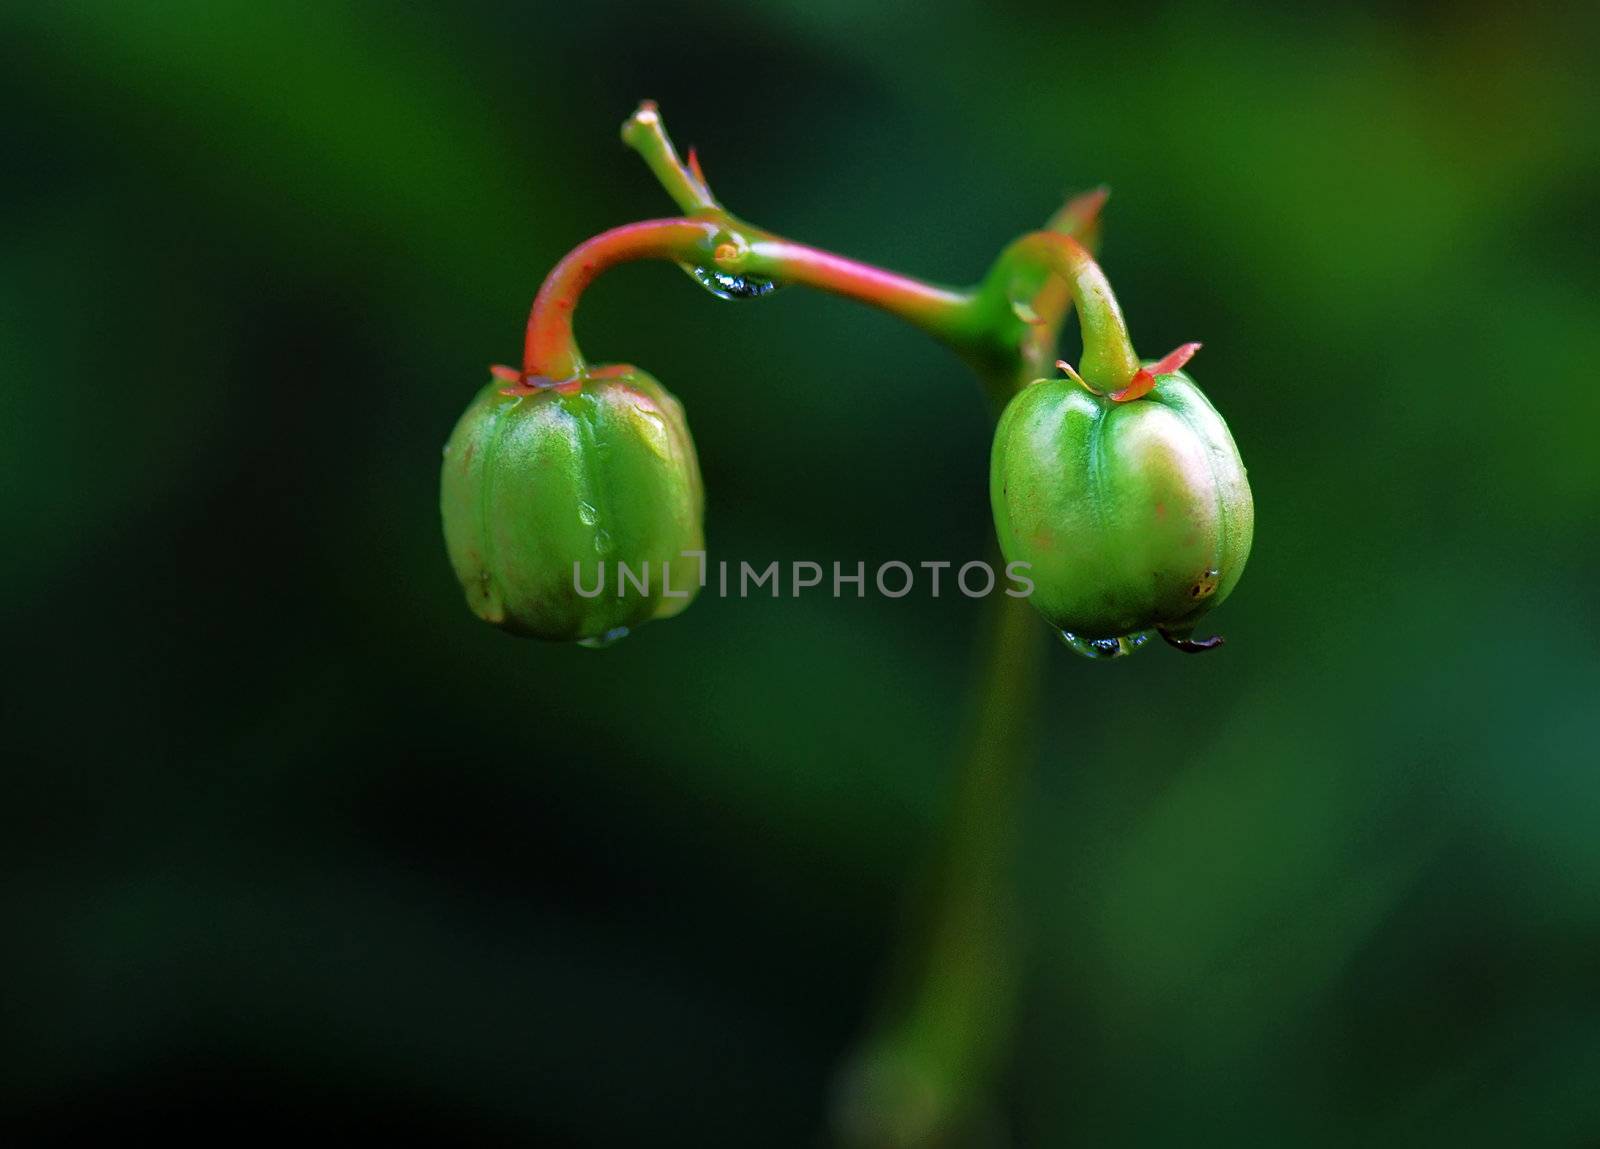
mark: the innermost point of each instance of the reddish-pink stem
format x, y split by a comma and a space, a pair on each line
551, 352
941, 311
549, 349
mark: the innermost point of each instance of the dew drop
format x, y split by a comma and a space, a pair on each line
730, 284
601, 641
1104, 648
587, 515
602, 541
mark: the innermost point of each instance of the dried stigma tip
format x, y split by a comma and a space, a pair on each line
1191, 645
694, 166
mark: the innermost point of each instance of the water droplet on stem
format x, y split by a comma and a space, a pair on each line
730, 284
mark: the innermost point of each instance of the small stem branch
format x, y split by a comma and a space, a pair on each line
644, 133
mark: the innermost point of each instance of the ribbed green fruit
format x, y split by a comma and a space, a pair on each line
548, 491
1133, 516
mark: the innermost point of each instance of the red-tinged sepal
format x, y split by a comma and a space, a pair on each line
1144, 379
1173, 360
1138, 387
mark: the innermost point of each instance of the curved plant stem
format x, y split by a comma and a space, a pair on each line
551, 351
1108, 357
709, 236
1005, 328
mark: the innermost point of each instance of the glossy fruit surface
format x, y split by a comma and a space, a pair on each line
1133, 516
593, 474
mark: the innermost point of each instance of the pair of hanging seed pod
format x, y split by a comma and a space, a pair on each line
1131, 509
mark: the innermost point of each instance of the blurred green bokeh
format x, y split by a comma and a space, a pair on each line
296, 845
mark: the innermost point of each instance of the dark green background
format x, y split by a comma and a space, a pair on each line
294, 845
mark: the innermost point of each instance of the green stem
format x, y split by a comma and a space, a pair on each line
1108, 360
939, 1036
644, 133
943, 1026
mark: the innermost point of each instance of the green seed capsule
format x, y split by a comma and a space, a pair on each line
549, 493
1134, 516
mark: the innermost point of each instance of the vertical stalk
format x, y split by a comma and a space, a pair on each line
941, 1034
938, 1040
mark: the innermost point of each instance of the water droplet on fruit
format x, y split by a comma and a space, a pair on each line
1104, 648
602, 541
601, 641
730, 284
587, 515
